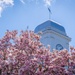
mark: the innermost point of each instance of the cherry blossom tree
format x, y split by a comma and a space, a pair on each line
24, 54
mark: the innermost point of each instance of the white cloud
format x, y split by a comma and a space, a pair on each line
1, 11
22, 1
4, 4
48, 2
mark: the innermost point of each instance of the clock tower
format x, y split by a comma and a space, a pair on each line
53, 34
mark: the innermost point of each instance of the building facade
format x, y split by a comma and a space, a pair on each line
53, 34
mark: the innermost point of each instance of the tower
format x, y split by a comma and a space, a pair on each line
53, 34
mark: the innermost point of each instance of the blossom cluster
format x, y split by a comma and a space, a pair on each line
24, 54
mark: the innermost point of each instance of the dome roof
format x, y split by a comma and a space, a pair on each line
50, 25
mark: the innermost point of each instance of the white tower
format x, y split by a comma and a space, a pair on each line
54, 35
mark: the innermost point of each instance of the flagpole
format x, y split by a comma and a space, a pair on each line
49, 9
49, 15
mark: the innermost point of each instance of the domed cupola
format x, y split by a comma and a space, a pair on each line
50, 25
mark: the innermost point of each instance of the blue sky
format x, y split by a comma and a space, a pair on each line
19, 16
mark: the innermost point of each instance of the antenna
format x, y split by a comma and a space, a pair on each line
49, 13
